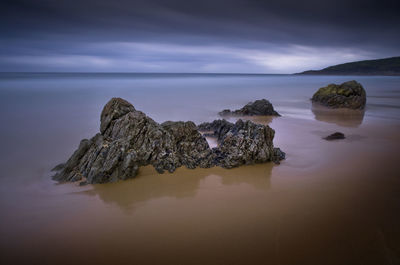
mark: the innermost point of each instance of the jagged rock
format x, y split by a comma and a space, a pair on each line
350, 94
335, 136
244, 142
114, 109
218, 128
260, 107
192, 148
58, 167
128, 139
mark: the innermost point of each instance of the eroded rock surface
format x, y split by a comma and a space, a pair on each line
260, 107
350, 94
129, 139
217, 128
242, 143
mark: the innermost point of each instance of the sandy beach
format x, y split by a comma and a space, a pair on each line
329, 202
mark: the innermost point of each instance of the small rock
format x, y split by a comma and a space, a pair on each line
335, 136
257, 108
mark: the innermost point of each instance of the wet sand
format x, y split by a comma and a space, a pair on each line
327, 203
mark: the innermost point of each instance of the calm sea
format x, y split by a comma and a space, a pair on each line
265, 212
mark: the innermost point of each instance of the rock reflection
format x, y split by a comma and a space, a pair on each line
183, 183
341, 117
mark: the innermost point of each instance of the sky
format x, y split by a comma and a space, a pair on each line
201, 36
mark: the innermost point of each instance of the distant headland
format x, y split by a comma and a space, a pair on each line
386, 66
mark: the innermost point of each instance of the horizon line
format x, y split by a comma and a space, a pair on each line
193, 73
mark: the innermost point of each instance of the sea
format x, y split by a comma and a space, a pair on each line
328, 203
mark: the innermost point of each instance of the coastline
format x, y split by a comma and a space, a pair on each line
322, 194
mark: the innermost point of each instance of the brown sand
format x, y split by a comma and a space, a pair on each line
327, 203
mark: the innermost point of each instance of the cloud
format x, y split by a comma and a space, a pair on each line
194, 36
154, 57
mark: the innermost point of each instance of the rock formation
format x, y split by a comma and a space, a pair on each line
217, 128
242, 143
350, 94
129, 139
259, 107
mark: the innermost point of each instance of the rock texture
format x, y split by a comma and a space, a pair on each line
217, 128
350, 94
242, 143
260, 107
128, 139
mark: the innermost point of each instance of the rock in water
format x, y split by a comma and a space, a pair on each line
129, 139
350, 94
335, 136
257, 108
243, 143
191, 147
246, 143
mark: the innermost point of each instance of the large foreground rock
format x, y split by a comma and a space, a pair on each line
260, 107
350, 94
129, 139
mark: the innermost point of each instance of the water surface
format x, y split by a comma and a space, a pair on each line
327, 203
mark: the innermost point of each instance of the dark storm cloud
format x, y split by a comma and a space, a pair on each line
108, 32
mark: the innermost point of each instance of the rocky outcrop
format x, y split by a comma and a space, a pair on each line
217, 128
129, 139
257, 108
113, 110
243, 143
350, 94
190, 146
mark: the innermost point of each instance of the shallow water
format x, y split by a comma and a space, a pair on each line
327, 203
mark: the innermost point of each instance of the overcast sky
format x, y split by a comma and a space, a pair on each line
236, 36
